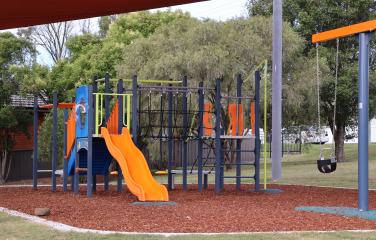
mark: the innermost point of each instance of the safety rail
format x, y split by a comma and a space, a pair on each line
99, 109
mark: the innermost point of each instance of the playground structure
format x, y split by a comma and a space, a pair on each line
95, 134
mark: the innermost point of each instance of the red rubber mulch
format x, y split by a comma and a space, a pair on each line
229, 211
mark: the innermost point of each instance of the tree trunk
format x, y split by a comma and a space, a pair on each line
339, 139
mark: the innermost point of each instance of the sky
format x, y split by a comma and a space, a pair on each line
220, 10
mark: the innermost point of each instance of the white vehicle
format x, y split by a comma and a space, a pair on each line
314, 136
305, 135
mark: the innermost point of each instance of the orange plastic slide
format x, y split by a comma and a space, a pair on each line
134, 167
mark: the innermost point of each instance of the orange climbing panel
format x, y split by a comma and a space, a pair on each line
252, 117
113, 120
235, 112
71, 132
208, 119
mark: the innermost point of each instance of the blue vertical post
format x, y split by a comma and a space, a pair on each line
35, 144
257, 130
238, 141
363, 82
134, 108
185, 134
161, 120
76, 176
218, 148
200, 126
95, 90
170, 139
107, 100
54, 142
65, 163
120, 90
90, 120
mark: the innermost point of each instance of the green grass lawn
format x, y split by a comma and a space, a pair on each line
297, 169
17, 228
301, 169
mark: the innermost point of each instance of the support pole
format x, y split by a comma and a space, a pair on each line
120, 90
107, 100
65, 163
218, 148
54, 142
90, 119
277, 91
185, 135
170, 139
364, 39
239, 82
134, 109
35, 144
257, 131
201, 102
76, 174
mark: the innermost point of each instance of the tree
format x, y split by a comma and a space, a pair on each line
13, 51
52, 37
308, 17
206, 50
104, 24
92, 55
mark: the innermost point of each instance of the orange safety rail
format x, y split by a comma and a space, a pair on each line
368, 26
60, 105
71, 132
208, 119
252, 117
113, 120
235, 112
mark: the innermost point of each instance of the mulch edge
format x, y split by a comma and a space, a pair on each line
67, 228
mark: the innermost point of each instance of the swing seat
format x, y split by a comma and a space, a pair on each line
327, 165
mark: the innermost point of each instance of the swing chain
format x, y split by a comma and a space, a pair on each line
318, 99
335, 101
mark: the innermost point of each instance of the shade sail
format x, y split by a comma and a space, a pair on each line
23, 13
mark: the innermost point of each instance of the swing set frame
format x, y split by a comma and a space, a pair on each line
363, 31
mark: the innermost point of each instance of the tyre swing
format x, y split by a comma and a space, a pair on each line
327, 165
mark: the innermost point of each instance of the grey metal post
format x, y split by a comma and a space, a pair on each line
35, 144
134, 109
201, 102
239, 82
54, 142
120, 90
65, 163
218, 148
89, 175
170, 139
185, 135
257, 130
364, 39
277, 91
